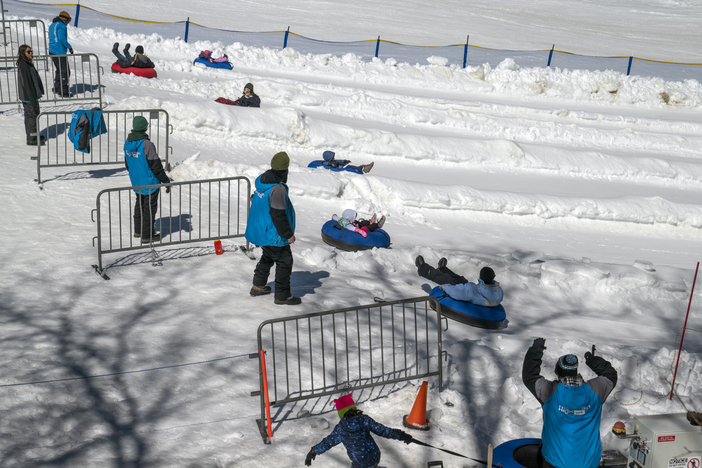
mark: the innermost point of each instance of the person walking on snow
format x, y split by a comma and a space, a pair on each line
330, 161
139, 60
58, 45
30, 90
486, 292
249, 99
271, 225
144, 168
572, 408
354, 432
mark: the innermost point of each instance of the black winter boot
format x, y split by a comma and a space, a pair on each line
126, 48
115, 48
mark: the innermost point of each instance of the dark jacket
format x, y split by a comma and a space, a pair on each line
572, 413
29, 85
249, 101
137, 61
354, 433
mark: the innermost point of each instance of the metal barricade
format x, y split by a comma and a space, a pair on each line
323, 353
13, 34
107, 148
193, 211
81, 72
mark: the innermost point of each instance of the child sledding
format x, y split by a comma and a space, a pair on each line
205, 58
137, 64
477, 304
347, 232
248, 99
330, 162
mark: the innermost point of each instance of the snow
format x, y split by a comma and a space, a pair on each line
581, 188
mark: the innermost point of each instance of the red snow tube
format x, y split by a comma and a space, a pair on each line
143, 72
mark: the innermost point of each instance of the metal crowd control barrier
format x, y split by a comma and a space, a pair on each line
193, 211
318, 354
107, 148
13, 34
83, 79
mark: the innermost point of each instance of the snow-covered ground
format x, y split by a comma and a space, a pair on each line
582, 190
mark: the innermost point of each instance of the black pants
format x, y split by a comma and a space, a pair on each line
145, 208
61, 74
440, 275
283, 259
31, 111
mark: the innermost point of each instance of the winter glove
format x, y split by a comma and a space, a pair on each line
540, 343
71, 51
361, 232
406, 438
168, 189
310, 457
589, 357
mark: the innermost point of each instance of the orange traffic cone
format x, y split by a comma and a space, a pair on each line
417, 419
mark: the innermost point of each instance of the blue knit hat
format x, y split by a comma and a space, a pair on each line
567, 365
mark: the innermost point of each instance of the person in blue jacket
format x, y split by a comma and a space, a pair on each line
572, 407
486, 292
331, 162
58, 45
144, 168
271, 226
354, 432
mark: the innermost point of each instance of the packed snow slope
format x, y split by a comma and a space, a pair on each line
581, 189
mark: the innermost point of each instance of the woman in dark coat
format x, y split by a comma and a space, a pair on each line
30, 90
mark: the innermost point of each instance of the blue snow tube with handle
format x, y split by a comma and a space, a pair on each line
338, 236
224, 65
518, 453
470, 314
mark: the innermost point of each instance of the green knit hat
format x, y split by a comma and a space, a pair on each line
249, 85
280, 161
140, 124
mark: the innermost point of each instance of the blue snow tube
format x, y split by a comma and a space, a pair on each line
518, 453
341, 238
224, 65
470, 314
315, 164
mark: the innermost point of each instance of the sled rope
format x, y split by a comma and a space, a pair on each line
419, 442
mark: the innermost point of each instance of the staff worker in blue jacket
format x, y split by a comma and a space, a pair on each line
572, 408
58, 45
145, 168
271, 225
486, 292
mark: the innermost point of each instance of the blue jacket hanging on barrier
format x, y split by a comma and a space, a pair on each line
84, 126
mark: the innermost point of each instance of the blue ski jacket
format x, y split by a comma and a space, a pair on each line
260, 228
481, 294
354, 433
84, 126
58, 38
137, 155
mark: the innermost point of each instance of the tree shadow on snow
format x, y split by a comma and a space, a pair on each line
69, 393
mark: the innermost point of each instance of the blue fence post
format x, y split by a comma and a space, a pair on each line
465, 51
628, 70
550, 55
377, 46
187, 27
285, 41
75, 23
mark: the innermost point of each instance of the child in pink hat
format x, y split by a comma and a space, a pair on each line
354, 432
